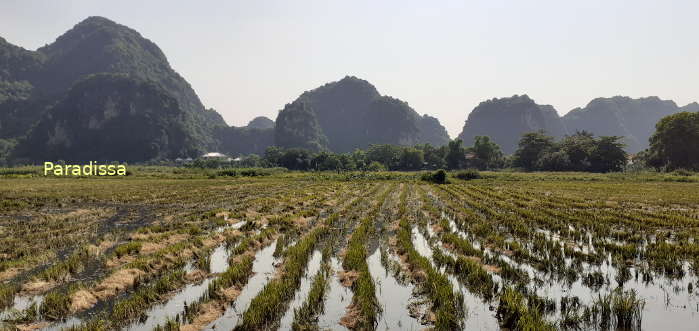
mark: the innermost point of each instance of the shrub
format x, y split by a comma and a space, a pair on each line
437, 177
227, 172
127, 249
468, 174
682, 172
375, 166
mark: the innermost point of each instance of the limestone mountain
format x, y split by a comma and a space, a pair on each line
692, 107
261, 122
98, 45
32, 83
244, 140
432, 132
108, 117
253, 138
504, 120
634, 119
352, 114
297, 127
18, 69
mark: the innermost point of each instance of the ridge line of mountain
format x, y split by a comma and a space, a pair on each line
103, 86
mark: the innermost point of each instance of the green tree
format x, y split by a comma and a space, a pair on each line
359, 159
675, 143
296, 159
456, 155
375, 166
251, 161
411, 159
433, 157
578, 147
388, 155
273, 155
531, 147
326, 161
347, 162
487, 153
608, 154
553, 160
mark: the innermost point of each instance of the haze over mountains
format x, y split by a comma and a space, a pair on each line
634, 119
350, 114
103, 92
506, 119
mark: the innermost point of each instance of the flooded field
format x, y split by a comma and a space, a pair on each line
294, 253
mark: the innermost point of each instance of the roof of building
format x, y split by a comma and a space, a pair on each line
213, 154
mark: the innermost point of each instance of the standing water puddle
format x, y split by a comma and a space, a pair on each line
337, 300
158, 315
312, 269
421, 244
20, 303
70, 322
393, 297
219, 260
235, 226
478, 316
665, 299
263, 268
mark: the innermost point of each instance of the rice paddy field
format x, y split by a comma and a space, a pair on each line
303, 251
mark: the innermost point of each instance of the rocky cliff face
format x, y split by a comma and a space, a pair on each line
352, 114
432, 132
109, 117
634, 119
261, 122
35, 84
504, 120
692, 107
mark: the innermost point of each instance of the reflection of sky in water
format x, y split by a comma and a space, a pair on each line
667, 301
312, 269
192, 292
338, 298
263, 269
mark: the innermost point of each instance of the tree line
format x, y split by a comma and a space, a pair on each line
536, 152
675, 145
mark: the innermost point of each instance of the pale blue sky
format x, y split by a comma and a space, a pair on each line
249, 58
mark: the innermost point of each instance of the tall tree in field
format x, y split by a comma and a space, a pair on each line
531, 147
487, 153
411, 159
388, 155
675, 143
608, 154
434, 157
578, 148
456, 154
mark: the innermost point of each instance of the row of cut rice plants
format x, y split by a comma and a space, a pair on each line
363, 311
446, 309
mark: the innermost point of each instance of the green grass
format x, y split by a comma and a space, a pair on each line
446, 303
538, 220
129, 248
264, 309
72, 265
132, 306
304, 316
56, 305
516, 314
7, 294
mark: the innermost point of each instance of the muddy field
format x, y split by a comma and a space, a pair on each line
306, 253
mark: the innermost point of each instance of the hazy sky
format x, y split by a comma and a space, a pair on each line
249, 58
